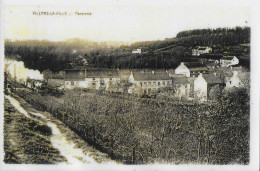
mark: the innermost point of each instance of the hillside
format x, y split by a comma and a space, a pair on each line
168, 53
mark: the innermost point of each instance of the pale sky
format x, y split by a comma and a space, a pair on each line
119, 21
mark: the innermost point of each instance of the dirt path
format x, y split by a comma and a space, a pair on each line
69, 146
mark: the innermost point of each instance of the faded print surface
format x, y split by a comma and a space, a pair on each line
127, 84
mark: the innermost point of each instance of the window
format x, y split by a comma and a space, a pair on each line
72, 83
67, 83
168, 82
230, 82
154, 83
159, 83
93, 78
110, 79
163, 83
149, 83
144, 83
141, 83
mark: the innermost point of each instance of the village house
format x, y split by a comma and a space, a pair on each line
238, 79
211, 65
98, 79
227, 61
102, 79
211, 58
74, 78
137, 51
197, 51
148, 83
206, 87
191, 69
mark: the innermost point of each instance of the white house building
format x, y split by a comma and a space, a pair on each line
183, 70
98, 79
227, 61
203, 85
239, 79
191, 69
138, 50
148, 83
197, 51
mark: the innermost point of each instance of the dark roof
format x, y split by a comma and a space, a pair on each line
193, 64
102, 74
180, 80
139, 76
211, 63
74, 75
198, 68
171, 71
176, 79
211, 56
227, 57
212, 79
81, 74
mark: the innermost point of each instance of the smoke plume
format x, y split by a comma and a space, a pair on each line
17, 70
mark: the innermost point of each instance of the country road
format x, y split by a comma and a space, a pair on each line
69, 145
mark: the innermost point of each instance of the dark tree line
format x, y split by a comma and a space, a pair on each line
219, 36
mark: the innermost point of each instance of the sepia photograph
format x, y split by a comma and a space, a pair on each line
129, 85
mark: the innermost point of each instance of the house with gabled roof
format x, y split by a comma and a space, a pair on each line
91, 78
191, 69
227, 61
197, 51
74, 78
148, 83
204, 84
102, 79
238, 79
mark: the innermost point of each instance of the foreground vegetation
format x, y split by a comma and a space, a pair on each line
26, 140
140, 131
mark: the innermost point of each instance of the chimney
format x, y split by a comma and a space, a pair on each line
215, 74
152, 72
182, 63
200, 75
167, 71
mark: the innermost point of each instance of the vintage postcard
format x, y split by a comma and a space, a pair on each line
129, 85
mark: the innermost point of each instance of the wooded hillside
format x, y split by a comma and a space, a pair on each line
168, 53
